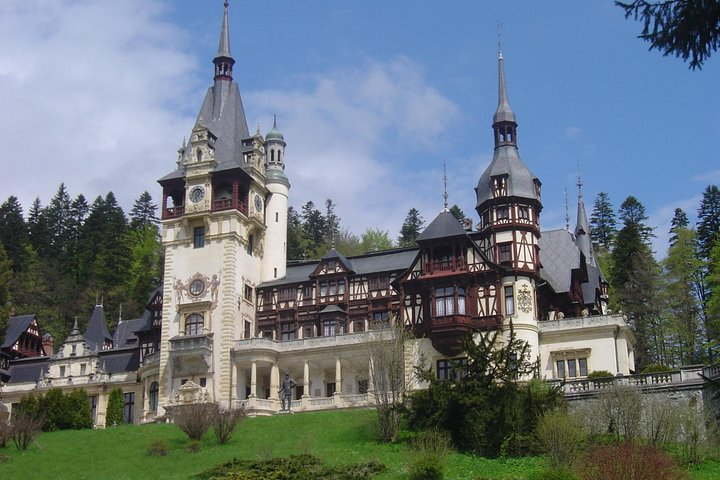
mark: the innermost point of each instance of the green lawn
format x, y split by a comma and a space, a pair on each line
337, 437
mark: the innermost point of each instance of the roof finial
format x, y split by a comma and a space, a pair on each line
499, 34
503, 112
579, 182
275, 120
257, 131
567, 212
120, 314
445, 194
224, 47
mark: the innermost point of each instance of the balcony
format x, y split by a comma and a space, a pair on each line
230, 204
173, 212
191, 343
313, 343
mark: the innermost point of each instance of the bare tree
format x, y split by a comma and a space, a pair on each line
194, 418
225, 421
386, 350
24, 428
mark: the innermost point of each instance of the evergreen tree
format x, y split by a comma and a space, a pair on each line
78, 212
458, 213
348, 243
708, 225
679, 220
38, 230
116, 403
296, 241
5, 280
144, 212
410, 228
13, 232
315, 229
375, 240
602, 222
144, 273
682, 269
712, 317
58, 217
332, 222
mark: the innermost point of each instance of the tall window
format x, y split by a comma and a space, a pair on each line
509, 301
287, 331
572, 367
194, 324
523, 213
199, 237
250, 244
451, 369
287, 294
93, 407
329, 328
502, 213
445, 303
128, 410
504, 252
332, 287
379, 282
153, 396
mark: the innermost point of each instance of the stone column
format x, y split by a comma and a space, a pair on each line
306, 379
233, 383
371, 384
274, 381
253, 380
338, 377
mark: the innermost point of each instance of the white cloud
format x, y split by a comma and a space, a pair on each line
361, 136
87, 91
711, 176
661, 219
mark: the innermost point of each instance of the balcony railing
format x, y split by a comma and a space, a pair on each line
173, 212
185, 343
229, 204
345, 339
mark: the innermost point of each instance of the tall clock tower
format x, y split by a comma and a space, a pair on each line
508, 202
214, 233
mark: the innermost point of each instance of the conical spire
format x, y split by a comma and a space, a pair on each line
224, 61
582, 228
224, 48
503, 112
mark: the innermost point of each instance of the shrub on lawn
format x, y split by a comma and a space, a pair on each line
5, 433
629, 461
225, 421
427, 467
24, 428
194, 418
193, 446
116, 403
561, 436
158, 448
553, 474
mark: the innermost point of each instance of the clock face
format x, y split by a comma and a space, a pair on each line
258, 203
197, 194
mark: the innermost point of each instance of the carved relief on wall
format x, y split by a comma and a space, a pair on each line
524, 298
199, 287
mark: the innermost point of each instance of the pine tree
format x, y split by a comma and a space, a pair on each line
458, 213
13, 232
332, 222
713, 304
296, 241
679, 220
5, 280
602, 222
410, 228
708, 225
315, 228
58, 218
144, 212
38, 230
145, 270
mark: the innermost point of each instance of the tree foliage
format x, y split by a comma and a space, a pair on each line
410, 229
679, 220
114, 412
602, 221
708, 225
483, 407
689, 29
375, 240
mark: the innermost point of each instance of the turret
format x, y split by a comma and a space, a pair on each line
275, 258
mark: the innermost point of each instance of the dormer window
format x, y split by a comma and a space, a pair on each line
499, 186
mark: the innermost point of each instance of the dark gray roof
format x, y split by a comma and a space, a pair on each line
503, 112
592, 285
16, 326
377, 262
583, 234
120, 360
97, 332
506, 161
125, 332
334, 254
224, 47
443, 226
332, 309
27, 370
559, 255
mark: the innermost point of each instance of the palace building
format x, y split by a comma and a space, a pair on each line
232, 315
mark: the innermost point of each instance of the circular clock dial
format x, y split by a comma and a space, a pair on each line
197, 287
258, 203
197, 194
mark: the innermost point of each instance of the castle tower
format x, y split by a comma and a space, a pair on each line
276, 206
508, 203
213, 223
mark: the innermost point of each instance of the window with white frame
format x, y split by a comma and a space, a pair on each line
509, 301
571, 365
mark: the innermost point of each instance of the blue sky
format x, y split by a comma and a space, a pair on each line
373, 97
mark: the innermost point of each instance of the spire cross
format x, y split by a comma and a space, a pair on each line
445, 194
499, 35
567, 212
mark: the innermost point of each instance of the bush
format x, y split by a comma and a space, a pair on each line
158, 448
629, 461
622, 409
225, 421
193, 446
78, 414
24, 428
5, 433
599, 374
194, 418
428, 467
432, 441
655, 368
116, 404
562, 437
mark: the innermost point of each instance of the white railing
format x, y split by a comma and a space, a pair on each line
686, 376
305, 344
581, 322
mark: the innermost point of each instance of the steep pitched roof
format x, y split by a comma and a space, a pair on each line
124, 335
16, 327
559, 255
97, 333
443, 226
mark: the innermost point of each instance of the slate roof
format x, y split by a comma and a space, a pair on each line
332, 253
97, 332
124, 334
387, 261
27, 369
506, 161
120, 360
559, 255
443, 226
16, 326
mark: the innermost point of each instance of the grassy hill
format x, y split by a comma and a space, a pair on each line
337, 437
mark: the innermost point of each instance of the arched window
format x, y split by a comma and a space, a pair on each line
194, 324
153, 396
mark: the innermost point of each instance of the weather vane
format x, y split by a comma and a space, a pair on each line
445, 194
